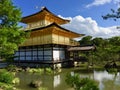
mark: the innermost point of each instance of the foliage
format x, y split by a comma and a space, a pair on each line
48, 70
40, 70
10, 68
16, 81
7, 80
80, 83
107, 50
11, 34
112, 70
42, 88
13, 68
86, 40
115, 14
6, 77
4, 86
35, 70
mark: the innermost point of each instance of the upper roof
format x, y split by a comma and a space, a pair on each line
44, 14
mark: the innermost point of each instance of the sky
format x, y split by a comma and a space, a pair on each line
85, 15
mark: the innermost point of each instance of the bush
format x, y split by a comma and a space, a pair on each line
13, 68
16, 81
4, 86
35, 70
48, 70
42, 88
7, 80
6, 77
80, 83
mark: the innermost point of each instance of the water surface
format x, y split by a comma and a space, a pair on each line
105, 80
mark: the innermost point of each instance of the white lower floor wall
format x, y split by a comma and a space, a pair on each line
58, 55
40, 53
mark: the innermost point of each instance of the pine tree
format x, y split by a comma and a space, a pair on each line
11, 34
115, 14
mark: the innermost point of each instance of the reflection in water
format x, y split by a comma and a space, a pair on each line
105, 80
101, 75
56, 80
104, 77
101, 86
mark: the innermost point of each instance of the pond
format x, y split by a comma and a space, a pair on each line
105, 80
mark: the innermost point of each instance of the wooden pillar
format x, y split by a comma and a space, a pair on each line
75, 55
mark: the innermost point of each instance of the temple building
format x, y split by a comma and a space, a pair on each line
48, 42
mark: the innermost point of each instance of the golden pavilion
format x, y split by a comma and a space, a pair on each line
48, 42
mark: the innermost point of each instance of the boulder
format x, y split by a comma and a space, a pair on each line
35, 84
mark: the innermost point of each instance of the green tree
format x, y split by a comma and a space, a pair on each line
99, 41
115, 40
108, 50
11, 34
86, 40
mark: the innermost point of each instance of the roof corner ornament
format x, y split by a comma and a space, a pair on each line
43, 7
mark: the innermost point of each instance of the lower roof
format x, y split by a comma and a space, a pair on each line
81, 48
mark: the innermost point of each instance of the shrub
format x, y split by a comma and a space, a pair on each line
4, 86
13, 68
80, 83
6, 77
6, 80
42, 88
16, 81
48, 70
35, 70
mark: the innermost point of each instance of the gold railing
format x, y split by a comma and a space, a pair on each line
74, 42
